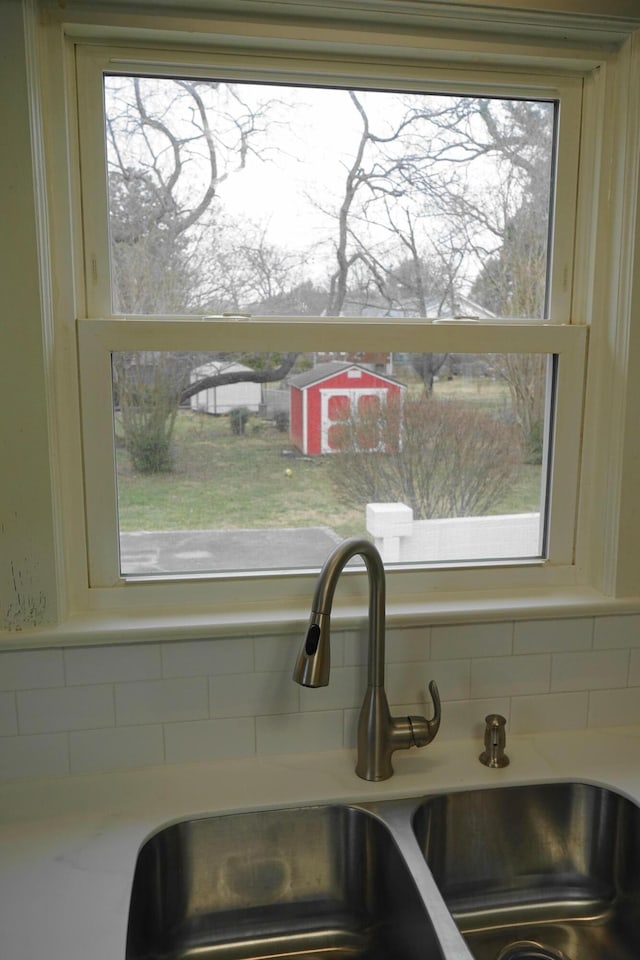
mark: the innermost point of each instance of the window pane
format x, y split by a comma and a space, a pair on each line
265, 461
282, 200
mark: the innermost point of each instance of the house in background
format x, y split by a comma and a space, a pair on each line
222, 399
325, 400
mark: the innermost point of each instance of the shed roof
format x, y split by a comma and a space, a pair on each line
324, 371
213, 367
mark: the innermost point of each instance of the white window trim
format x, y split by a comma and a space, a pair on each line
601, 576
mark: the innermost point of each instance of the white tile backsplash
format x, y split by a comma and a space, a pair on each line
553, 636
346, 690
111, 664
555, 711
253, 694
634, 668
613, 708
46, 755
278, 653
115, 748
408, 682
65, 708
612, 632
8, 715
30, 669
203, 740
480, 640
510, 676
409, 645
195, 658
300, 732
466, 718
111, 707
162, 701
589, 671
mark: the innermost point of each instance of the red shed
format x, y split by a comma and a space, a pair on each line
323, 400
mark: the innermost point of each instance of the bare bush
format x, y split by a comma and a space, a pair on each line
442, 458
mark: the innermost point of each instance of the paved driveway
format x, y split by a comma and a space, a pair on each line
203, 551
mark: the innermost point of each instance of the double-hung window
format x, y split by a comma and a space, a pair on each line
326, 298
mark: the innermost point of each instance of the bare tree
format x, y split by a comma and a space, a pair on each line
171, 144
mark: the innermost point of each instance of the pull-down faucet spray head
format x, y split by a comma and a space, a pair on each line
314, 660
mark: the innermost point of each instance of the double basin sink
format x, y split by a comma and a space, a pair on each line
538, 872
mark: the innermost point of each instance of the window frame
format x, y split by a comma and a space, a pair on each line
192, 608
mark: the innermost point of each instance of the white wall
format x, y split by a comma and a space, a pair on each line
27, 554
107, 707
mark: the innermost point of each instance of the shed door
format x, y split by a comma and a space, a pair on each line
351, 418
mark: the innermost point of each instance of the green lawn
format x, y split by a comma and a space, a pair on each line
223, 481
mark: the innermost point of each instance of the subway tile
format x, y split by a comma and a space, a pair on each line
409, 644
471, 640
162, 701
355, 647
110, 664
34, 756
634, 669
31, 669
115, 748
201, 740
65, 708
8, 715
553, 636
614, 708
350, 728
346, 689
408, 682
589, 671
466, 718
453, 678
620, 631
300, 732
198, 658
277, 653
549, 711
510, 676
234, 695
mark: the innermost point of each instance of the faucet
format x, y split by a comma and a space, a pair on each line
379, 734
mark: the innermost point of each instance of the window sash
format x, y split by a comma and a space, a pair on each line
99, 338
93, 62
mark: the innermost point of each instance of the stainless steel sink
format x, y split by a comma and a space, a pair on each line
540, 872
306, 882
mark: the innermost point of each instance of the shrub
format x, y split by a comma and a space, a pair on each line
281, 420
442, 458
238, 417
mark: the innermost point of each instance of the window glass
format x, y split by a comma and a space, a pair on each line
264, 461
229, 197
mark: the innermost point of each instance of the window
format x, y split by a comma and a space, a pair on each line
370, 260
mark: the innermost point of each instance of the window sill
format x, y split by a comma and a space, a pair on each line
174, 624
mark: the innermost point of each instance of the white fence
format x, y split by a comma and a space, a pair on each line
401, 539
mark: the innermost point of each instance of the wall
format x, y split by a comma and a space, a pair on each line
88, 708
28, 593
102, 708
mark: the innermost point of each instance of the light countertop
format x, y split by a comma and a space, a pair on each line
68, 845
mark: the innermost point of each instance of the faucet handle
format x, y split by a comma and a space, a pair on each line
424, 731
